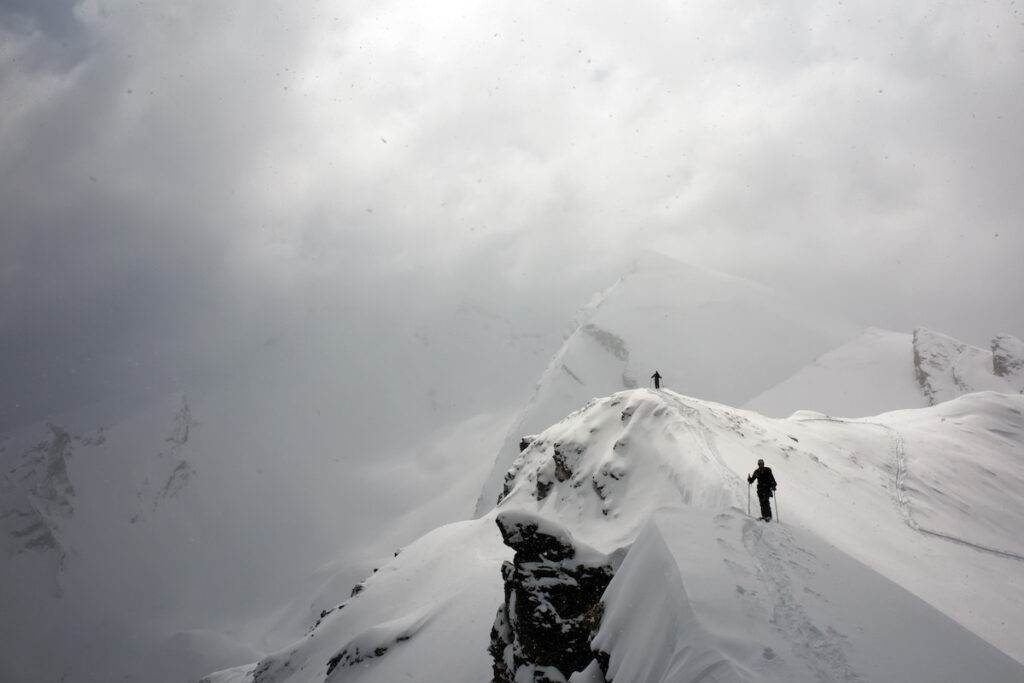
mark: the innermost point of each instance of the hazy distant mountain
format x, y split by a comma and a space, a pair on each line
161, 533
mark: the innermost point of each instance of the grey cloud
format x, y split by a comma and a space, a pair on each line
196, 173
59, 39
55, 19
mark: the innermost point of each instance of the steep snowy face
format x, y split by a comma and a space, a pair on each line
708, 334
47, 468
91, 519
1008, 358
879, 371
605, 468
728, 599
37, 494
36, 497
946, 368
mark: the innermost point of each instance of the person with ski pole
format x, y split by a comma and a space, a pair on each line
765, 488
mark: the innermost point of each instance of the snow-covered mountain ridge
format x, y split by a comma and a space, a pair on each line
846, 588
946, 368
709, 334
140, 540
881, 370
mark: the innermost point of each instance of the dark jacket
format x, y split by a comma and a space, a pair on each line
765, 479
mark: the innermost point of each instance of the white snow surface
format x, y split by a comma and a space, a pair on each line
879, 371
897, 556
727, 598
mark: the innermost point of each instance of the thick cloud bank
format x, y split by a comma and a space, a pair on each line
177, 179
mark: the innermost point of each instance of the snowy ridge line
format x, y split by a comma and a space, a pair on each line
822, 650
903, 501
706, 435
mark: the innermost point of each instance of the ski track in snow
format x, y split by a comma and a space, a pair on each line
959, 541
903, 500
821, 649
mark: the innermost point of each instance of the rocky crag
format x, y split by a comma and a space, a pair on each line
552, 607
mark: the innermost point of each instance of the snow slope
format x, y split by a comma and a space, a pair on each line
710, 335
880, 371
886, 566
773, 603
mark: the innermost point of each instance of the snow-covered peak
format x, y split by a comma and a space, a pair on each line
872, 373
879, 371
605, 468
707, 334
946, 368
36, 498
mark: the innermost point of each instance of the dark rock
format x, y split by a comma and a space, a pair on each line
544, 486
552, 605
1007, 356
562, 470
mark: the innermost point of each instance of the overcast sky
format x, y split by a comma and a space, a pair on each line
168, 167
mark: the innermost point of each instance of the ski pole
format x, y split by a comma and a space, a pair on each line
748, 499
775, 495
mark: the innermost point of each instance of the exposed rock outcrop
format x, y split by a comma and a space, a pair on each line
172, 471
935, 356
552, 605
1008, 358
39, 493
946, 368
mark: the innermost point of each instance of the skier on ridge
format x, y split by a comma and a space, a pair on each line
765, 488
